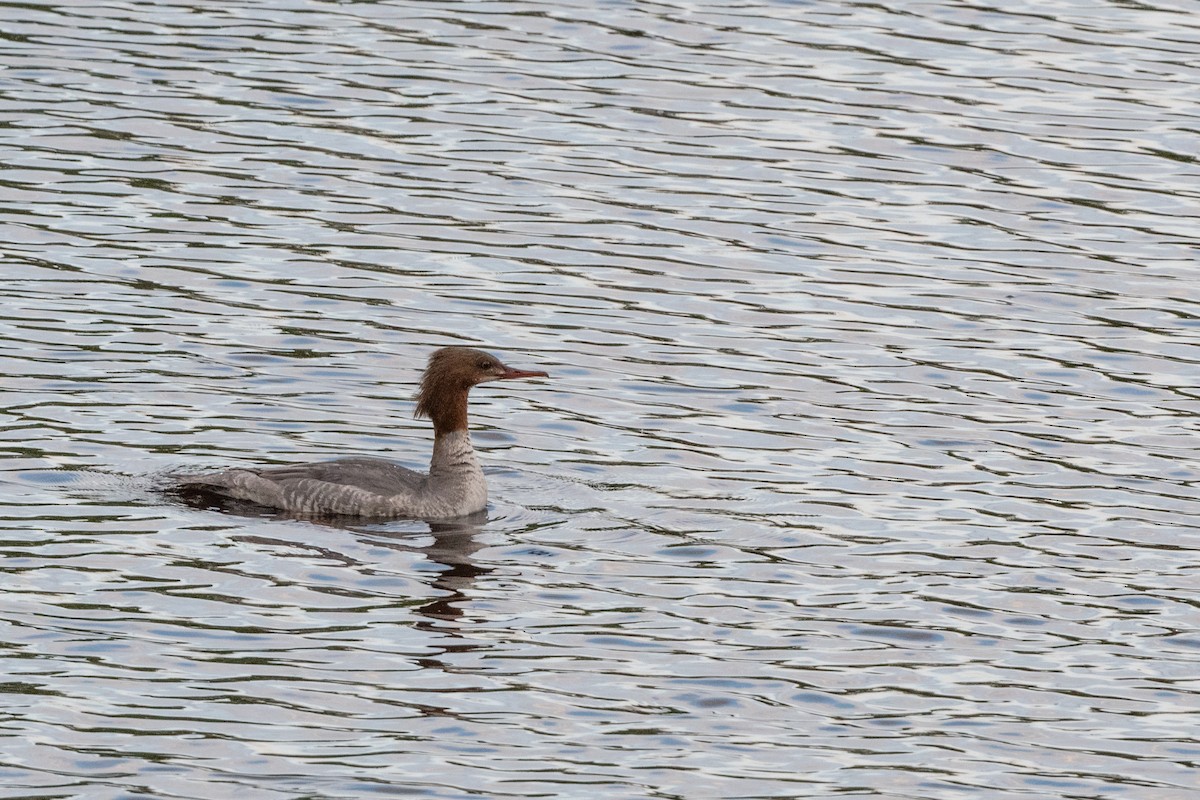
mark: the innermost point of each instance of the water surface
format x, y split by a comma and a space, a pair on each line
868, 464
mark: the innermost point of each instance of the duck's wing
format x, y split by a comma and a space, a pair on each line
374, 475
356, 486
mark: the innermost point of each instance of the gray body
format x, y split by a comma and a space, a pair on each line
363, 487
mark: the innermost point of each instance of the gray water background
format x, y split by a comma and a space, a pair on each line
867, 467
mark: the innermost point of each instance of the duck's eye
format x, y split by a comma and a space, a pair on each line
485, 365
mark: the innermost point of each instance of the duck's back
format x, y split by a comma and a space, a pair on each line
358, 486
374, 475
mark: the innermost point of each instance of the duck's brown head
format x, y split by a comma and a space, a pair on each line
451, 373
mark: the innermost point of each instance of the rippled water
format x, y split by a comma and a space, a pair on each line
867, 468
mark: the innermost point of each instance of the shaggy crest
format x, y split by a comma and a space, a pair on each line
451, 373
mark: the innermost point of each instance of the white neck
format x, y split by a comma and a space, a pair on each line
455, 477
453, 457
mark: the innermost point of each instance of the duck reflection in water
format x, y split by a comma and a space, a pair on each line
454, 544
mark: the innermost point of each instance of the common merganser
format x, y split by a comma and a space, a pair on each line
373, 487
